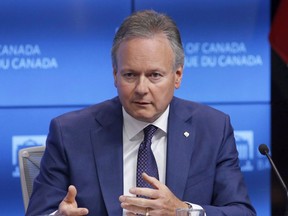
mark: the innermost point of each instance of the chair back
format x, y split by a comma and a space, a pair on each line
29, 165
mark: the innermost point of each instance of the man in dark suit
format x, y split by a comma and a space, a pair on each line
95, 150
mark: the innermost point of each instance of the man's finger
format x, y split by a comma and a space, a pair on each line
152, 181
78, 211
71, 195
135, 205
145, 192
71, 211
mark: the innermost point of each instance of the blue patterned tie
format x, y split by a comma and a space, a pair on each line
146, 161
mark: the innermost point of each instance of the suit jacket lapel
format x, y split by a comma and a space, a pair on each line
179, 147
108, 152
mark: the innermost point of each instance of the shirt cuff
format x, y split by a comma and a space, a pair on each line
196, 207
54, 213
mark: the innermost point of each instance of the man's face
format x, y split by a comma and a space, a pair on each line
145, 79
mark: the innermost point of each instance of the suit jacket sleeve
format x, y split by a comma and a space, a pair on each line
69, 158
230, 196
50, 186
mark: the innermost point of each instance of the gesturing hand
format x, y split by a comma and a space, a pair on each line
69, 207
162, 201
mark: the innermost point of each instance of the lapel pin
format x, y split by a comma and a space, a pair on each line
186, 134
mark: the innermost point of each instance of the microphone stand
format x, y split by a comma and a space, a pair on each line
280, 179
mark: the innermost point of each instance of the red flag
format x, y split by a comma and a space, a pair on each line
279, 31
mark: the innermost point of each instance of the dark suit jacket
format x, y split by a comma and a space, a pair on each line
84, 148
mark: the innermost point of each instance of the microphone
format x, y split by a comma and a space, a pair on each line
264, 150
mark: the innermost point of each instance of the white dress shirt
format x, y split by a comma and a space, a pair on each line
133, 135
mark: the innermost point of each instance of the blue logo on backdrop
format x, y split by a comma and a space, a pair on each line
20, 142
246, 150
245, 147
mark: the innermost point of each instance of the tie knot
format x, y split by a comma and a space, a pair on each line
149, 132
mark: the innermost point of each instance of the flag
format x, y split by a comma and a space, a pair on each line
278, 36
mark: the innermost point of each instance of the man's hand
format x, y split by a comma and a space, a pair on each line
162, 201
69, 207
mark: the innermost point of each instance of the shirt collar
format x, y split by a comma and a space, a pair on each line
133, 126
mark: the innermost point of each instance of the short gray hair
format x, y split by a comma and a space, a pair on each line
145, 24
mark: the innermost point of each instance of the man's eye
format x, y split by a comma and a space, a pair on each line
156, 75
128, 75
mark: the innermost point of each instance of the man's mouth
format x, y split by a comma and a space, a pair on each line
142, 102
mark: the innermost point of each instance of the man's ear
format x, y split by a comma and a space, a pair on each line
178, 77
115, 77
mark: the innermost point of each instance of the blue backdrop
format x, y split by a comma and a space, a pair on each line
55, 57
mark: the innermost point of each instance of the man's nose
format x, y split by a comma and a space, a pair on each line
142, 85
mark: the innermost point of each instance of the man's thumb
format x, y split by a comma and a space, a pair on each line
71, 195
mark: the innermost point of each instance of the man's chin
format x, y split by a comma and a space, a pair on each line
144, 117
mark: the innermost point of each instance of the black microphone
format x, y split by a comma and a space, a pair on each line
264, 150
